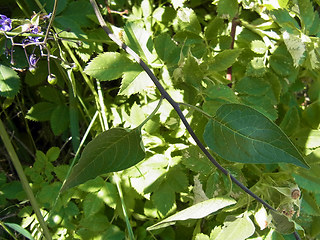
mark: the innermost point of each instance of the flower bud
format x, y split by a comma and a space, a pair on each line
295, 193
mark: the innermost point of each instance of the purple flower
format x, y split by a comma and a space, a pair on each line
5, 23
35, 30
33, 60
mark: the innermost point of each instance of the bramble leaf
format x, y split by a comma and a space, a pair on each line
223, 60
111, 151
110, 65
227, 8
9, 82
250, 137
197, 211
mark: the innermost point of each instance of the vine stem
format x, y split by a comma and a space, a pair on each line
176, 107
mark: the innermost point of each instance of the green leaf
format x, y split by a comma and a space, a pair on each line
53, 154
78, 12
256, 67
307, 13
164, 198
307, 138
227, 8
41, 111
283, 18
9, 82
312, 114
192, 73
51, 94
188, 20
110, 65
196, 161
258, 47
135, 82
111, 151
291, 121
109, 194
197, 211
223, 60
59, 119
308, 180
239, 229
250, 137
201, 236
166, 49
92, 204
20, 230
281, 222
295, 46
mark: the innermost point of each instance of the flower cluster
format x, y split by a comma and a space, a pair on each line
5, 23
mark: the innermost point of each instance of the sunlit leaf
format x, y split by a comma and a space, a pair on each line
241, 134
110, 65
197, 211
111, 151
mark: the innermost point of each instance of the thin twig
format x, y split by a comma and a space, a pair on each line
176, 107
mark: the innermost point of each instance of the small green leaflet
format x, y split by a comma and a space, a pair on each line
239, 133
110, 65
197, 211
111, 151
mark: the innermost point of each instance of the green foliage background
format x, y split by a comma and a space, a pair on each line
190, 46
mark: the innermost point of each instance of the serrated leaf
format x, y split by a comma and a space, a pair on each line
223, 60
166, 49
197, 211
41, 111
188, 20
195, 160
227, 8
201, 236
258, 47
109, 194
59, 119
283, 18
295, 46
92, 204
164, 198
78, 11
256, 67
51, 94
110, 65
290, 121
135, 82
307, 13
239, 229
191, 71
179, 178
9, 82
250, 137
111, 151
281, 222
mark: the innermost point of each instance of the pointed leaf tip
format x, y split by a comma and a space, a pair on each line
239, 133
111, 151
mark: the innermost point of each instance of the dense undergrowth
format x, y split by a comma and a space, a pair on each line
245, 75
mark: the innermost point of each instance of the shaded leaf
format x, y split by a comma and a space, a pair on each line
59, 119
9, 82
110, 65
307, 13
197, 211
250, 137
41, 111
111, 151
282, 223
164, 198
